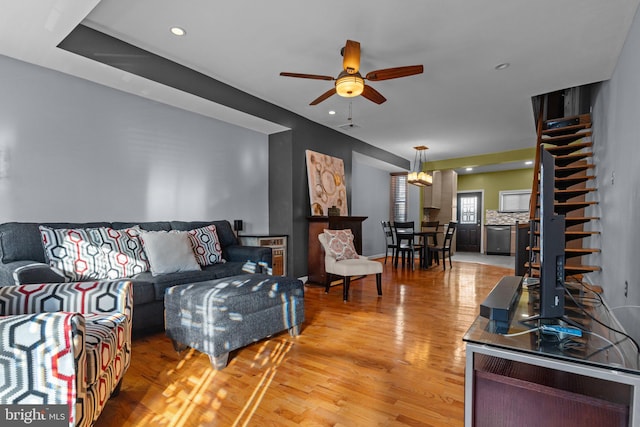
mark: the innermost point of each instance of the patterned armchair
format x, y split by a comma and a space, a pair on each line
65, 343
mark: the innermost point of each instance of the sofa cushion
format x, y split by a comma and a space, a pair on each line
223, 229
123, 251
164, 281
149, 226
206, 246
72, 251
225, 270
143, 291
169, 252
22, 241
37, 272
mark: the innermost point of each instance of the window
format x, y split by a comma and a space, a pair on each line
515, 200
469, 210
398, 197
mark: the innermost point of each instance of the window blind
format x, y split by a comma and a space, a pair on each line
398, 197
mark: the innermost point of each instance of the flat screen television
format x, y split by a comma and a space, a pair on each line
552, 244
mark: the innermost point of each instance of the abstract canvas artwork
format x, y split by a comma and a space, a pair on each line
326, 183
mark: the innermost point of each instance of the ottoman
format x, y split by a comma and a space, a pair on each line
218, 316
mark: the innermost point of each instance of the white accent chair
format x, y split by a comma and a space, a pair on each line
346, 268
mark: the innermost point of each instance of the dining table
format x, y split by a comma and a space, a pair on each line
425, 258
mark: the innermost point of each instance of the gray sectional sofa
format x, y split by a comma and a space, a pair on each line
22, 260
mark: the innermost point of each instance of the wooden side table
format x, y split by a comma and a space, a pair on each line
278, 245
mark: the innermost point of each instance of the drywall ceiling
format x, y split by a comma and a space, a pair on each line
460, 106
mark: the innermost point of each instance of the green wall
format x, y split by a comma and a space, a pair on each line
494, 182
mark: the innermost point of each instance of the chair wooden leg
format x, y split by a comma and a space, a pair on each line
450, 265
345, 289
444, 260
379, 283
328, 284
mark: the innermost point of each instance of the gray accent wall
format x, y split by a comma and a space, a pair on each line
72, 150
617, 156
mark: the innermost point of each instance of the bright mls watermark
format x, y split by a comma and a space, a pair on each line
34, 415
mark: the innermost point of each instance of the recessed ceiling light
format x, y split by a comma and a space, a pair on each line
468, 169
502, 66
332, 112
177, 31
528, 162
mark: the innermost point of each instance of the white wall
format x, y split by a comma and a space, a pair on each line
371, 188
72, 150
370, 198
617, 153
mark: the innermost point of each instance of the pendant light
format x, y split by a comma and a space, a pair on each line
419, 177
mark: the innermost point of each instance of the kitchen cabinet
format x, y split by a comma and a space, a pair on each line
446, 189
432, 194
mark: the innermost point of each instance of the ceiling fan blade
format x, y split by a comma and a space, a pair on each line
307, 76
394, 73
373, 95
351, 57
324, 96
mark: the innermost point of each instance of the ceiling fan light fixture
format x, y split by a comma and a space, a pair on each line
349, 85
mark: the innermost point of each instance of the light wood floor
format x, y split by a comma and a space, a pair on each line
397, 360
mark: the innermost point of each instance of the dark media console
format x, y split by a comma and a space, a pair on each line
515, 367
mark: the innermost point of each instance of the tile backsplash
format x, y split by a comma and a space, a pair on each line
493, 217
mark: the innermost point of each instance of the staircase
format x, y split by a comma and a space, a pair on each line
568, 139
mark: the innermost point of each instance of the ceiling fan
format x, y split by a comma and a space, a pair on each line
350, 83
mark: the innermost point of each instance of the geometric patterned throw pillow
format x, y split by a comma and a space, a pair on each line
123, 251
206, 245
340, 244
73, 252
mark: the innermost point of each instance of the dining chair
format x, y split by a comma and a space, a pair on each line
390, 240
430, 226
406, 244
445, 248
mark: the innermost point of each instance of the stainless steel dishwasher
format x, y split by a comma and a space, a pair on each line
498, 239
